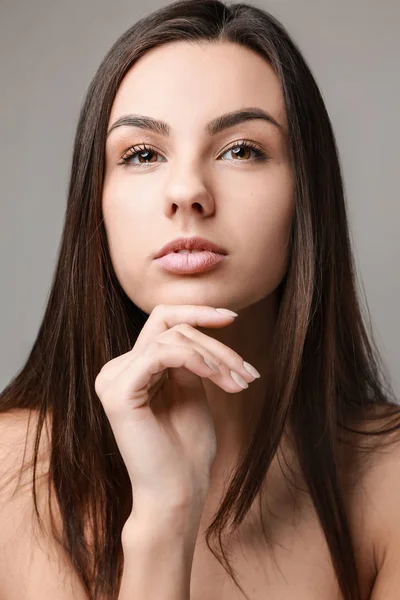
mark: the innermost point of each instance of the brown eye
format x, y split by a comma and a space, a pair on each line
242, 151
144, 153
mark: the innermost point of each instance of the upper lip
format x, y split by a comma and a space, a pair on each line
190, 243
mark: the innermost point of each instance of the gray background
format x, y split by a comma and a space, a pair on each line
48, 54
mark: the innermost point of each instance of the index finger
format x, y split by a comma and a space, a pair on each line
165, 316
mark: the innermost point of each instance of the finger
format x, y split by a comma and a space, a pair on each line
161, 318
225, 362
165, 316
131, 387
213, 349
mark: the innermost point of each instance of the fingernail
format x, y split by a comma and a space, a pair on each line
250, 369
239, 380
226, 311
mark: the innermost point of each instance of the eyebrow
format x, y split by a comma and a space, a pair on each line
214, 127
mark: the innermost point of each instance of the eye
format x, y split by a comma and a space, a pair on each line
244, 148
241, 150
138, 151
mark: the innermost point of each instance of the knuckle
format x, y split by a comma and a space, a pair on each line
158, 309
101, 382
102, 388
183, 327
192, 352
177, 335
217, 360
103, 377
97, 384
103, 369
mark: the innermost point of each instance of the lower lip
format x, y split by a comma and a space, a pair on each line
195, 262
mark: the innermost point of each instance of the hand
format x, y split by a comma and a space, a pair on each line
156, 403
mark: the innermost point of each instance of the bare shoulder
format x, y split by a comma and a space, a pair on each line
16, 446
376, 496
31, 564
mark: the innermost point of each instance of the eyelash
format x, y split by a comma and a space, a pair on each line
133, 150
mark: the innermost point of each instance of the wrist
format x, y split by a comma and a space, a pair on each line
161, 543
147, 525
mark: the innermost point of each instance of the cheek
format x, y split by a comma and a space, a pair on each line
125, 235
267, 224
123, 208
122, 200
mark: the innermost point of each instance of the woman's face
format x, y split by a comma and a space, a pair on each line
194, 183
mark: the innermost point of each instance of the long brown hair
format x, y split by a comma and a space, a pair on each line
326, 370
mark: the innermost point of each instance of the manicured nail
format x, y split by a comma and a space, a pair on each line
226, 311
239, 380
250, 369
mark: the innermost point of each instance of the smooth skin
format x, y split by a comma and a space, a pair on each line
163, 425
195, 184
192, 184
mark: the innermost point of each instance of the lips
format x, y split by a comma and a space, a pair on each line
192, 243
187, 264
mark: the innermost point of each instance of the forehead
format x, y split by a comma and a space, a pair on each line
187, 84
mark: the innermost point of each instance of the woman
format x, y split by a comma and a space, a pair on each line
168, 421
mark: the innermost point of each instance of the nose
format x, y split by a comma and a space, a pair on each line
187, 192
